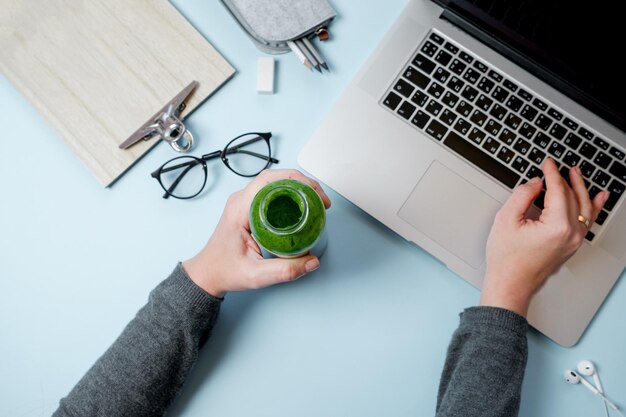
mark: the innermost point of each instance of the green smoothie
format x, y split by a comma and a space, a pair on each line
287, 219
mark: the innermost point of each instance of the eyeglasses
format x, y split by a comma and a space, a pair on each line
246, 155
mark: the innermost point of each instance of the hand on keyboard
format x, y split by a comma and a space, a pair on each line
522, 253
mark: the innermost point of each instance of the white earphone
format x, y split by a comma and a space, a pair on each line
587, 368
573, 378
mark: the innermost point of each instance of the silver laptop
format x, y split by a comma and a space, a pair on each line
460, 103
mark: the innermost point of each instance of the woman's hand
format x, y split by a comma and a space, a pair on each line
232, 261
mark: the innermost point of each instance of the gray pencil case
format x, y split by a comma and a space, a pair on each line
271, 23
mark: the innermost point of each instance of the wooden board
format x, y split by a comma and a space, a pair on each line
97, 70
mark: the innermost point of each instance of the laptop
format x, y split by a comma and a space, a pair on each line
460, 103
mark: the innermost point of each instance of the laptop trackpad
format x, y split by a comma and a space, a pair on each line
451, 211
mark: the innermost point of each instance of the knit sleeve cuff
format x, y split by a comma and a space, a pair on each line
478, 317
191, 295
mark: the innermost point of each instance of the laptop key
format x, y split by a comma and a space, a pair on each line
480, 66
469, 93
451, 48
493, 127
572, 140
429, 48
617, 190
457, 67
533, 172
449, 99
392, 100
424, 63
485, 84
618, 170
556, 149
433, 107
587, 169
558, 131
602, 217
420, 119
495, 75
478, 117
462, 126
465, 57
506, 154
542, 140
588, 150
514, 103
481, 159
520, 164
543, 122
555, 114
529, 112
525, 94
403, 88
536, 156
513, 121
443, 57
464, 108
571, 159
416, 77
436, 129
522, 146
420, 98
601, 178
436, 90
406, 110
471, 75
602, 144
617, 153
476, 135
491, 145
498, 112
590, 235
441, 75
570, 123
448, 117
602, 159
436, 38
499, 94
510, 85
455, 84
484, 102
593, 192
585, 133
540, 104
527, 130
507, 137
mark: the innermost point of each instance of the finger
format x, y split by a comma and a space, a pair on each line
580, 190
273, 271
521, 199
556, 189
597, 203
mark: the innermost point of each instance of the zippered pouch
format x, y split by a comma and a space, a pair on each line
271, 23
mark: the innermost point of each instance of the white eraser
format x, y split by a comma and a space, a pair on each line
265, 75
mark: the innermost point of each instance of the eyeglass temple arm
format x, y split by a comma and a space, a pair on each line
178, 180
258, 155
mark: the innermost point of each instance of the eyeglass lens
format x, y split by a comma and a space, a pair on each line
183, 177
247, 155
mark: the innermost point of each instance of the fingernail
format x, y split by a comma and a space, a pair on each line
534, 180
312, 265
577, 169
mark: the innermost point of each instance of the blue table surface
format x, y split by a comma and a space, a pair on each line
365, 335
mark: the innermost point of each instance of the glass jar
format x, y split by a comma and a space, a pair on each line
287, 220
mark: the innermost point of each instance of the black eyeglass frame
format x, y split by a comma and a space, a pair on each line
223, 156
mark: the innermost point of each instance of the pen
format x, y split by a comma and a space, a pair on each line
299, 54
308, 54
315, 53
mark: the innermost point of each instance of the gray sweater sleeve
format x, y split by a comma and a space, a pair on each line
141, 373
485, 365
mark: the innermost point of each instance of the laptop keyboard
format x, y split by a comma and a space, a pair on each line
498, 125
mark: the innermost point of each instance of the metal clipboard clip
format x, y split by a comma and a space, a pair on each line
166, 124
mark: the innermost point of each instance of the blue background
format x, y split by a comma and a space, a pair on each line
364, 335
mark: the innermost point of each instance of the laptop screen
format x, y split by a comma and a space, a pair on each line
576, 48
